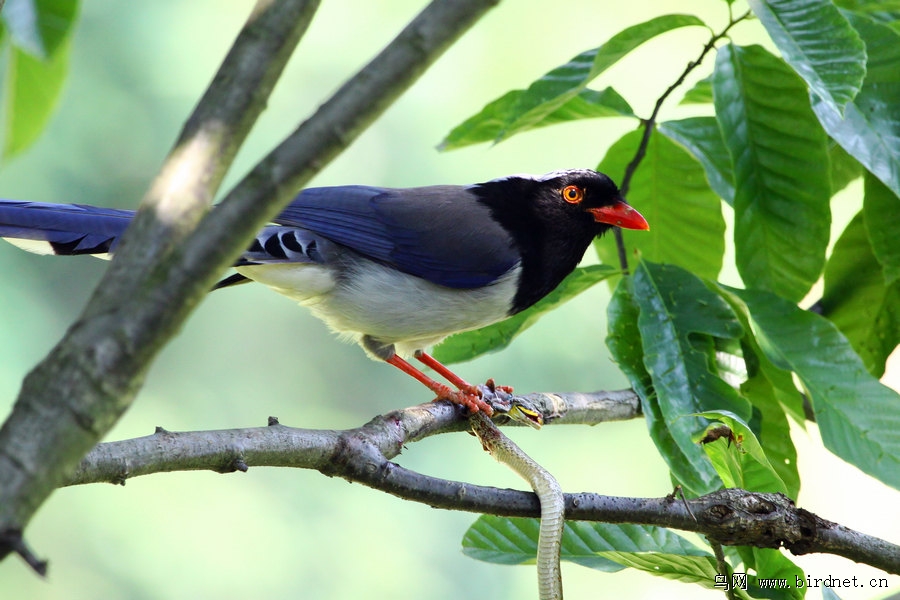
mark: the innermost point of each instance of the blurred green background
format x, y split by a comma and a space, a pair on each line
137, 70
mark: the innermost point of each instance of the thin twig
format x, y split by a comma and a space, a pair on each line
722, 567
649, 125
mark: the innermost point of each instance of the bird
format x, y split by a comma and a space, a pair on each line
395, 270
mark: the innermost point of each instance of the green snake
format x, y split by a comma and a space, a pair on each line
542, 482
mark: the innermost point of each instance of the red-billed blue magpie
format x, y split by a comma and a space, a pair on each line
396, 270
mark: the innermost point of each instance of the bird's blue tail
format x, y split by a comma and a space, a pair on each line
62, 228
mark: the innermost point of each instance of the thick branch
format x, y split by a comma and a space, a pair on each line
170, 257
78, 392
733, 517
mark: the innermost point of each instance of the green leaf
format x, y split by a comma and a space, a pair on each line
468, 345
771, 391
39, 27
702, 137
487, 125
626, 348
701, 93
743, 463
857, 300
527, 109
513, 541
858, 417
670, 190
818, 42
870, 126
778, 571
844, 168
32, 89
884, 11
780, 158
882, 214
679, 320
701, 570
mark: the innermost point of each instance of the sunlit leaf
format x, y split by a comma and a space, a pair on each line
487, 125
701, 93
33, 88
526, 109
513, 541
742, 459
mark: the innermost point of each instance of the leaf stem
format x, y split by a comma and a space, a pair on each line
649, 125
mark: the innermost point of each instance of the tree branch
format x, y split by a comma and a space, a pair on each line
731, 516
175, 250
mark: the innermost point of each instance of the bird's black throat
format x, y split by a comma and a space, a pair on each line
551, 235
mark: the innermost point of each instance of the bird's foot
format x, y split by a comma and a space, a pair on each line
468, 396
516, 408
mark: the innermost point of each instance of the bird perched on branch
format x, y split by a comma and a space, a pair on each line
396, 270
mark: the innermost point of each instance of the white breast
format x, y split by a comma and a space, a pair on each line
386, 304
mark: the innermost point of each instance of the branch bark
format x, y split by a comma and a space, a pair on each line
175, 248
363, 455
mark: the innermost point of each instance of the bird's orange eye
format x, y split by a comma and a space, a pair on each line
573, 194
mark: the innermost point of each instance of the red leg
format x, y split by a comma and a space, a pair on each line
430, 361
452, 377
468, 396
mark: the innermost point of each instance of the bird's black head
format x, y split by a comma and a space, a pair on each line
552, 219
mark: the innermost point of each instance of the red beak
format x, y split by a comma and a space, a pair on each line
621, 215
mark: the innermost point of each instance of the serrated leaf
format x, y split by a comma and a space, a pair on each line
857, 300
670, 189
818, 42
702, 137
881, 209
782, 187
469, 344
513, 541
701, 93
32, 89
487, 125
521, 111
679, 317
39, 27
858, 417
870, 126
743, 462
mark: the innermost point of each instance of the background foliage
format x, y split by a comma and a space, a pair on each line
773, 153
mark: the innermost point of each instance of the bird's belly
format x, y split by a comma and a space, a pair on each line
390, 306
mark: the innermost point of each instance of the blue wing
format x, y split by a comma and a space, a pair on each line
439, 233
63, 228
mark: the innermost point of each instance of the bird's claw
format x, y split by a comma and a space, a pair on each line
517, 408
